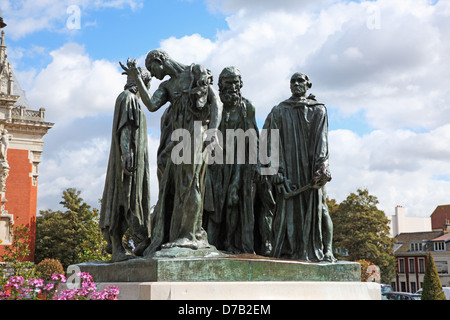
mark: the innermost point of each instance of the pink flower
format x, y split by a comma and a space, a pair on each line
58, 277
4, 295
48, 287
88, 290
66, 295
111, 292
85, 276
18, 280
37, 283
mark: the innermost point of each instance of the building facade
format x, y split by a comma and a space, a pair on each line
411, 252
22, 139
400, 223
440, 218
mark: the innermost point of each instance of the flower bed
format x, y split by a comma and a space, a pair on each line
19, 288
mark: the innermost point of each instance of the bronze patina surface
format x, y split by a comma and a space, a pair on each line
216, 266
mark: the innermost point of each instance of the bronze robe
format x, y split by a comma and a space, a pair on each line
232, 229
177, 217
127, 197
303, 139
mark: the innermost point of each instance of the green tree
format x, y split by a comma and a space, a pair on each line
432, 287
363, 231
72, 236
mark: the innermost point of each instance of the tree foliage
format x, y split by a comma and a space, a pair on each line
432, 287
15, 256
361, 229
72, 236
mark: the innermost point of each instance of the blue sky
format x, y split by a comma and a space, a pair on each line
110, 32
381, 67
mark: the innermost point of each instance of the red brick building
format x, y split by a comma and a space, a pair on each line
21, 145
412, 248
440, 218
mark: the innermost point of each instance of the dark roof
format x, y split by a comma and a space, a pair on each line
417, 236
403, 241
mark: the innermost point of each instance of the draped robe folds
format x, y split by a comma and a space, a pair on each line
127, 197
223, 223
177, 217
303, 137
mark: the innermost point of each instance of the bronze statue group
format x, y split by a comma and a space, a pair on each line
233, 206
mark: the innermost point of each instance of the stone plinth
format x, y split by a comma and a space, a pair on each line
246, 290
212, 275
258, 290
220, 268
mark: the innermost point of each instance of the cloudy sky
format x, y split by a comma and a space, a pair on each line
381, 67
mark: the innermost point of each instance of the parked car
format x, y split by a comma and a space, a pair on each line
400, 296
445, 289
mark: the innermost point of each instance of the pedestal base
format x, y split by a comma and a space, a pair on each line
220, 268
254, 290
181, 275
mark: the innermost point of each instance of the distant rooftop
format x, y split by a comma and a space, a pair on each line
411, 236
403, 241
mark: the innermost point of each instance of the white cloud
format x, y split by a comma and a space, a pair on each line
187, 48
75, 86
400, 167
82, 168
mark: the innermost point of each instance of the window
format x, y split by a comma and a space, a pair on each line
401, 265
5, 229
413, 287
421, 265
393, 285
441, 267
403, 286
439, 246
416, 246
411, 266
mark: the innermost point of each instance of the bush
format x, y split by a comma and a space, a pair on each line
47, 267
432, 287
365, 275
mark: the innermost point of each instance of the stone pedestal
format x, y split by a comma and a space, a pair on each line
217, 276
220, 267
247, 290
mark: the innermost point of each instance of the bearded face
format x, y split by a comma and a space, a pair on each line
230, 91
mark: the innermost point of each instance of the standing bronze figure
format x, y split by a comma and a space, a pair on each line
229, 201
177, 217
126, 195
302, 228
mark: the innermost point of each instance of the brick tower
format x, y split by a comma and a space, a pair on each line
21, 144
